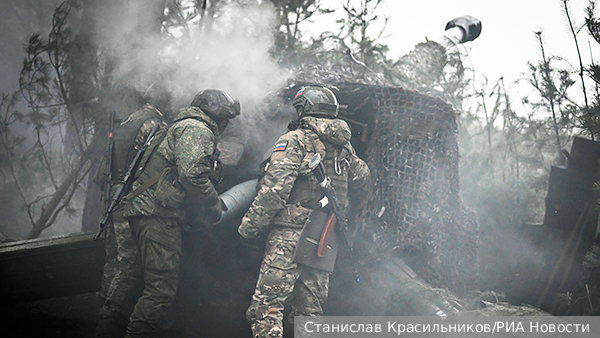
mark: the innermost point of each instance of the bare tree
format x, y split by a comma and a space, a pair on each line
53, 122
68, 86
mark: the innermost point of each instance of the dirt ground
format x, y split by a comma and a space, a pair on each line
76, 317
66, 317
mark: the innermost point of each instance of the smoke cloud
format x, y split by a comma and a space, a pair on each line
227, 48
229, 51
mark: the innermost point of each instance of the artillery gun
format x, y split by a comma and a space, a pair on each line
412, 216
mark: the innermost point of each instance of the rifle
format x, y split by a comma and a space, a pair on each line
108, 171
330, 199
127, 181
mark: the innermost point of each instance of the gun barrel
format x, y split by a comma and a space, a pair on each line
460, 30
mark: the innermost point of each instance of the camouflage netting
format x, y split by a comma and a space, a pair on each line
413, 206
423, 65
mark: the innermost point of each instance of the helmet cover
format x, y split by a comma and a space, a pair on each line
316, 101
217, 103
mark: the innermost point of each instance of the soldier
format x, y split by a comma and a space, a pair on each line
175, 185
288, 196
122, 269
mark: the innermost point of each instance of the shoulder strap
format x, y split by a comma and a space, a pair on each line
154, 179
150, 182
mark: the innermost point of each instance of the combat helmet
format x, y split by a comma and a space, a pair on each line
217, 104
316, 101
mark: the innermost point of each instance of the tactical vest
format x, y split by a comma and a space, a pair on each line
160, 180
128, 138
307, 192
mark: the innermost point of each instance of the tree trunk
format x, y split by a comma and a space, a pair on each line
50, 208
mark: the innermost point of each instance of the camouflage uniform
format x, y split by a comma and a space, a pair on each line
157, 214
287, 195
122, 270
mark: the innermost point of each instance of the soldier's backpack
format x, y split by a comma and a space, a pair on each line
128, 136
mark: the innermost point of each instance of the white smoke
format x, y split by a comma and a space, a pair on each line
231, 53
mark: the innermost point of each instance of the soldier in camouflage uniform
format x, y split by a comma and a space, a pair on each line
122, 269
179, 190
287, 196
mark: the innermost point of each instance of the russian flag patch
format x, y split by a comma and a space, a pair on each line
299, 93
281, 146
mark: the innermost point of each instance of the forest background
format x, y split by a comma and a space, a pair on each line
78, 64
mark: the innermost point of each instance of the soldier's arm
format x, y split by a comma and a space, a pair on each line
275, 188
194, 146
